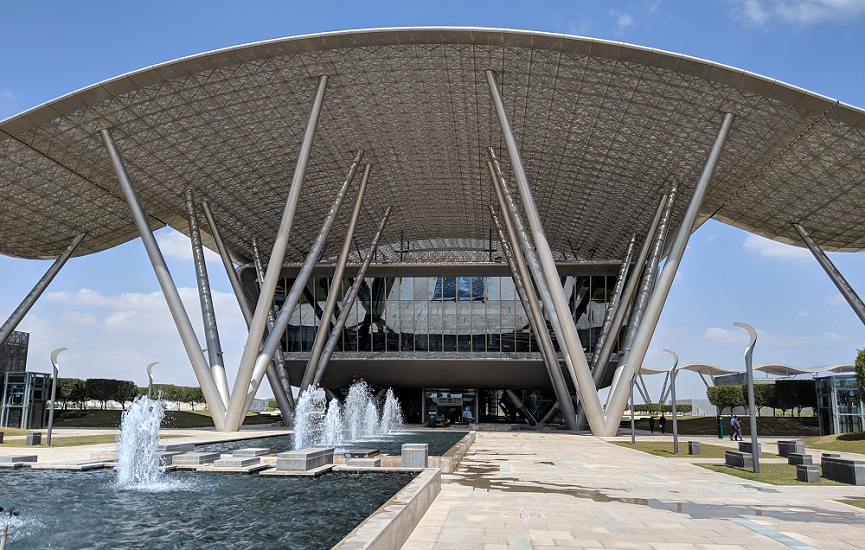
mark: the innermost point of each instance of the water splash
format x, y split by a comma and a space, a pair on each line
356, 419
137, 455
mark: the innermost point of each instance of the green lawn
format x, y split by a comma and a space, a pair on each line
775, 474
71, 441
844, 443
708, 425
665, 448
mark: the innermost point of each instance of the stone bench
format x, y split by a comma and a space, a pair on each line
414, 455
830, 455
176, 447
845, 471
739, 459
799, 458
304, 459
34, 438
194, 459
809, 473
693, 447
792, 446
745, 447
362, 462
251, 452
18, 458
361, 453
235, 461
1, 436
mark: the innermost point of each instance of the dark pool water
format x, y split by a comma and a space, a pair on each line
439, 442
84, 510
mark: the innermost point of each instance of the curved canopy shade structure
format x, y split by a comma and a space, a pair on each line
604, 128
706, 369
598, 136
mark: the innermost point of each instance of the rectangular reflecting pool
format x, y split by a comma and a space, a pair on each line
85, 510
440, 441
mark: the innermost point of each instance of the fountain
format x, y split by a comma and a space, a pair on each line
356, 420
137, 456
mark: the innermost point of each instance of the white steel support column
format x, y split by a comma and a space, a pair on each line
336, 286
619, 393
277, 375
568, 337
208, 314
40, 286
347, 304
225, 256
830, 269
611, 307
603, 357
521, 278
169, 290
523, 282
647, 283
274, 267
242, 396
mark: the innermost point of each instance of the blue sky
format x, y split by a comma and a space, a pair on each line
107, 309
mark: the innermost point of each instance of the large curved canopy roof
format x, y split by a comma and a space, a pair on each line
604, 129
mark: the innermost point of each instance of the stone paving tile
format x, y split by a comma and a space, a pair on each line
577, 491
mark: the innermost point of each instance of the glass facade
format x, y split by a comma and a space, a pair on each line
839, 406
434, 314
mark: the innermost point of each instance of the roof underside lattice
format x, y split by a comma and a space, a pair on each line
604, 130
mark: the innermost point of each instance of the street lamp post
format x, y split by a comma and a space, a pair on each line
150, 379
56, 369
749, 354
673, 370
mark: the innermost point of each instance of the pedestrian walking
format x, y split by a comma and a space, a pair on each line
737, 429
662, 422
652, 423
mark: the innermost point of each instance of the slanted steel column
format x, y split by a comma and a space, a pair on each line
603, 358
274, 267
567, 334
647, 284
277, 374
280, 385
619, 393
830, 269
336, 287
520, 406
169, 290
611, 308
245, 394
347, 304
28, 301
208, 314
523, 282
225, 256
509, 211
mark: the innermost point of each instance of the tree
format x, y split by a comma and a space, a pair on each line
785, 396
805, 395
763, 396
99, 389
70, 389
123, 391
725, 397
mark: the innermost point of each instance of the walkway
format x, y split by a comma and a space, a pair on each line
517, 490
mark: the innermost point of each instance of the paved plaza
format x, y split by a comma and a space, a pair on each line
535, 490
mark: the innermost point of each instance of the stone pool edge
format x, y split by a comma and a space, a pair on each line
391, 525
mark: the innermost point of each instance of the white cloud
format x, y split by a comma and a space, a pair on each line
79, 318
176, 245
804, 313
571, 26
797, 12
836, 299
739, 337
7, 101
773, 249
725, 336
623, 20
